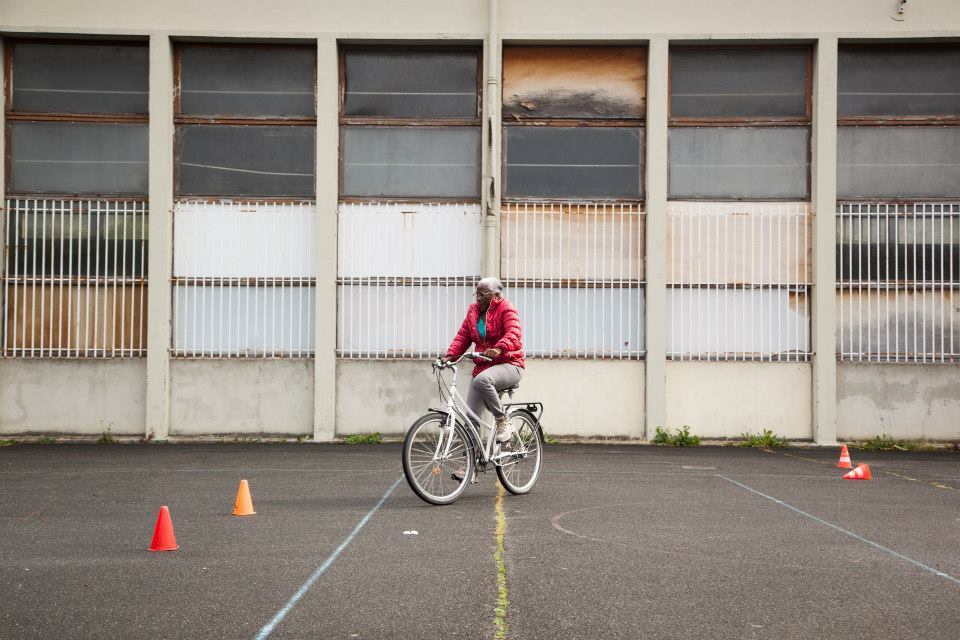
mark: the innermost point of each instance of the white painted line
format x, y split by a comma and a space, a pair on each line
873, 544
270, 626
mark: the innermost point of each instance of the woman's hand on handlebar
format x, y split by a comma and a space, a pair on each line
492, 353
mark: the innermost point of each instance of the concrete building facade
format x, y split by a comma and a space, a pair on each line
734, 217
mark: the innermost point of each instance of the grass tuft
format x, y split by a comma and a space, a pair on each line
676, 438
766, 440
106, 437
363, 438
883, 442
7, 443
46, 440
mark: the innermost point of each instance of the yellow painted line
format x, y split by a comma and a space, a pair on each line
938, 485
500, 611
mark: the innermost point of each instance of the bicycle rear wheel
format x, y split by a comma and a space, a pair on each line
432, 453
519, 472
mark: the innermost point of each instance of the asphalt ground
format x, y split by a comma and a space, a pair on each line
614, 542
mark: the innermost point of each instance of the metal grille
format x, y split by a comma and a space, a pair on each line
576, 274
74, 283
898, 268
243, 284
406, 274
738, 281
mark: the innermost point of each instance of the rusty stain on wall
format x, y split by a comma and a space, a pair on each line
574, 82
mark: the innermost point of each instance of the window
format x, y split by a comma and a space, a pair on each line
409, 217
573, 122
410, 124
898, 222
739, 123
572, 236
245, 183
76, 215
738, 272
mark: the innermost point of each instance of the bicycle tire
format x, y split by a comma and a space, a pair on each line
418, 471
529, 437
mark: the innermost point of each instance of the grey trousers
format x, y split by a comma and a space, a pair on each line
483, 393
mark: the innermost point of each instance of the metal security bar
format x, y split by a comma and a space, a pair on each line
898, 277
406, 274
243, 283
74, 279
738, 281
576, 273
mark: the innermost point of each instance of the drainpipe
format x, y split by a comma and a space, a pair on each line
491, 184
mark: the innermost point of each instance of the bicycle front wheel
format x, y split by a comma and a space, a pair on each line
432, 453
519, 471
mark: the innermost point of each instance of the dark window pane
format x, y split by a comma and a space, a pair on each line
71, 157
574, 82
570, 162
913, 248
738, 82
53, 238
258, 161
892, 80
417, 161
739, 162
247, 81
898, 162
441, 84
79, 78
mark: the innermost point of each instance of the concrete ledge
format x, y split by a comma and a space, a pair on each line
726, 399
73, 396
228, 397
908, 401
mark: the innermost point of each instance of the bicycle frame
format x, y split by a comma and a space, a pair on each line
457, 408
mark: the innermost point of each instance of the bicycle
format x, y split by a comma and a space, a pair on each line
446, 440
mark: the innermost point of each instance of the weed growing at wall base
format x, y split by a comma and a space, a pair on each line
883, 442
766, 440
682, 438
106, 438
363, 438
7, 443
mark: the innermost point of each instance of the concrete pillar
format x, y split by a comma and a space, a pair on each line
161, 242
492, 132
656, 291
3, 175
327, 170
824, 198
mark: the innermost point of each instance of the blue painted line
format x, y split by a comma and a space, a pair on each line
899, 556
302, 591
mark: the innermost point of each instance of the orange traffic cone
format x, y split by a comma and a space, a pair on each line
862, 472
163, 538
844, 459
244, 504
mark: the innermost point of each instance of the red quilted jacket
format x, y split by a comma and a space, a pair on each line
503, 332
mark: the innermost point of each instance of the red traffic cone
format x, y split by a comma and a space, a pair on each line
163, 538
862, 472
844, 459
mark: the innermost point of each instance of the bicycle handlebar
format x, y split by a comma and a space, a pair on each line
473, 355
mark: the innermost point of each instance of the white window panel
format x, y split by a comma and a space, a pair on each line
567, 322
593, 242
241, 321
738, 324
739, 243
234, 240
389, 321
391, 240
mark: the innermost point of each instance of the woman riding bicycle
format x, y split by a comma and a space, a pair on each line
492, 323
